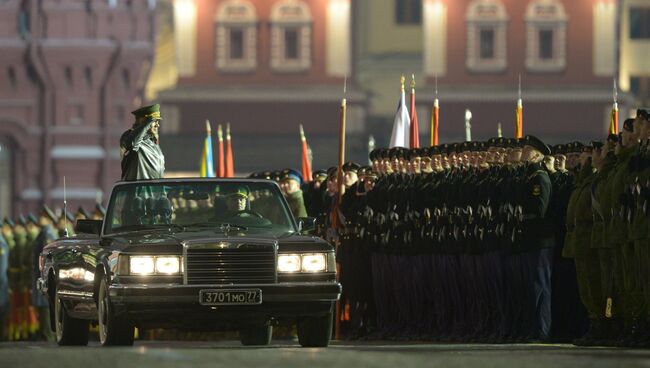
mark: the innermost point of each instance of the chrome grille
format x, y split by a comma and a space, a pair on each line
241, 264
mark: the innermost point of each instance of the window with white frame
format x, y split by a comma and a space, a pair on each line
291, 25
545, 36
236, 36
487, 22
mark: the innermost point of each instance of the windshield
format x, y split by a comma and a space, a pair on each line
197, 205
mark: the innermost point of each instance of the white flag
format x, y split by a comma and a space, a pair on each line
401, 125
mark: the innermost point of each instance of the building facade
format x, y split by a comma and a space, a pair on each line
71, 72
475, 51
264, 66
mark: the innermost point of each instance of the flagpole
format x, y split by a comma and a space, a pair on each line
435, 116
519, 114
220, 171
613, 122
339, 193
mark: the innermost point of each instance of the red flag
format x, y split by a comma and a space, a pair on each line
519, 127
221, 171
230, 168
306, 160
414, 133
435, 121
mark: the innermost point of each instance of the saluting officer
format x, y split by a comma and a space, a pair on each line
142, 157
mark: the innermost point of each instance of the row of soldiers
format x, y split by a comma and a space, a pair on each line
453, 242
608, 235
24, 312
498, 241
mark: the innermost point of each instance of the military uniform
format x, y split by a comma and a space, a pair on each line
142, 157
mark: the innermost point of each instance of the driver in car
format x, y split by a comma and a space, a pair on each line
235, 204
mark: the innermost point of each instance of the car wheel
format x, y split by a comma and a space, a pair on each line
315, 332
69, 330
256, 335
112, 330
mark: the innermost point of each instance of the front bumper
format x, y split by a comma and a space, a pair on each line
177, 306
173, 293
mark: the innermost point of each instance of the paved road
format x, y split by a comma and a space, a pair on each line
162, 354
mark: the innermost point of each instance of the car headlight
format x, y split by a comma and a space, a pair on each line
314, 262
307, 262
168, 265
288, 263
154, 265
141, 265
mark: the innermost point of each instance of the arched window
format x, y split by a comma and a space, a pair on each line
545, 36
236, 36
6, 179
291, 24
486, 36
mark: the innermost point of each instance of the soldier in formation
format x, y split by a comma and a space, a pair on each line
24, 311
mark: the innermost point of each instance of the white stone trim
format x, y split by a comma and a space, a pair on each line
486, 14
338, 38
76, 193
236, 15
435, 38
545, 15
31, 194
604, 39
78, 152
185, 36
285, 15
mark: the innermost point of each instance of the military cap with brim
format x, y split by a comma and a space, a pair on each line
151, 111
8, 221
628, 125
597, 144
291, 174
22, 220
83, 212
240, 191
537, 144
47, 212
31, 218
351, 167
374, 154
320, 173
67, 215
331, 172
612, 138
99, 209
643, 112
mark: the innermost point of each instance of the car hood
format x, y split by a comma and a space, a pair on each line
174, 241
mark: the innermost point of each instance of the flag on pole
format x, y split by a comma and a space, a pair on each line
306, 159
401, 131
435, 116
221, 171
414, 131
519, 127
207, 165
613, 118
230, 167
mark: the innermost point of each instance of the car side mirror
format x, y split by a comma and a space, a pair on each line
306, 224
93, 227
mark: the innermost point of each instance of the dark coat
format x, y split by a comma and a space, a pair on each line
142, 157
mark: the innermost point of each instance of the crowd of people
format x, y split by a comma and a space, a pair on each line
507, 240
24, 311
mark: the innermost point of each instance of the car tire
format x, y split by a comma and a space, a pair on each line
315, 332
69, 331
256, 336
112, 330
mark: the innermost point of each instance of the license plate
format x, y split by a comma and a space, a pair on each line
230, 297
